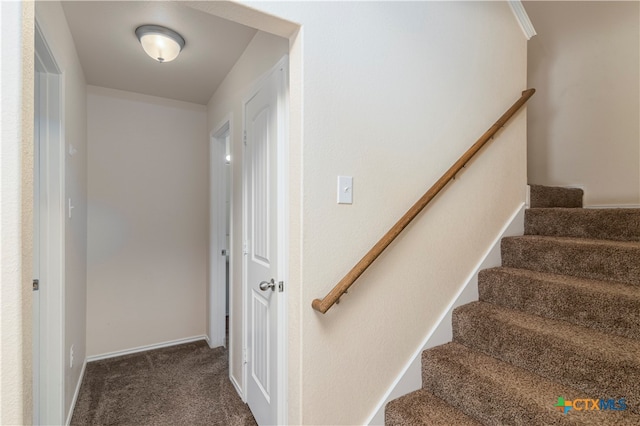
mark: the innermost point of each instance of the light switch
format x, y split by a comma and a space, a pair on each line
345, 190
71, 207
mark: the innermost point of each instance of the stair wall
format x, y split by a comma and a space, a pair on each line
410, 378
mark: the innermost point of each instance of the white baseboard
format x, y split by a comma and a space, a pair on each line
613, 206
571, 186
237, 386
76, 393
146, 348
410, 378
216, 343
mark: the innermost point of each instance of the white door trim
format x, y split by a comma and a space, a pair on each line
217, 231
49, 404
283, 234
283, 237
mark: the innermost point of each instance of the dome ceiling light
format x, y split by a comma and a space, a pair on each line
161, 43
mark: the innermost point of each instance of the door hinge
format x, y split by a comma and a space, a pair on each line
244, 355
280, 286
36, 284
245, 138
245, 247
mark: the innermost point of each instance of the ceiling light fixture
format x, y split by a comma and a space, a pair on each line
161, 43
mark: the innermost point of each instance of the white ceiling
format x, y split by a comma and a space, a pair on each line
112, 57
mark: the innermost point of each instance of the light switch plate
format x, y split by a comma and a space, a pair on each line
345, 190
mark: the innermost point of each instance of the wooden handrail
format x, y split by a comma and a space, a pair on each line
341, 288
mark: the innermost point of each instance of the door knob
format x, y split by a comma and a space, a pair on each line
266, 285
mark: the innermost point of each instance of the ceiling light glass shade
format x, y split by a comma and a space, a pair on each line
161, 43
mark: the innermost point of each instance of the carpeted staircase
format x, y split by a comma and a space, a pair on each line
555, 337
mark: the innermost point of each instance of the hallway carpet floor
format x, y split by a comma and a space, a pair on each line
186, 384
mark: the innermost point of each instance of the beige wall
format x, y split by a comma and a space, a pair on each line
392, 94
56, 31
261, 55
148, 220
16, 210
584, 124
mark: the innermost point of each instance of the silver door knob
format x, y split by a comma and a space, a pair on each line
266, 285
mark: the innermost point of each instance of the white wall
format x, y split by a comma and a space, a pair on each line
16, 210
392, 94
585, 119
56, 32
148, 220
262, 53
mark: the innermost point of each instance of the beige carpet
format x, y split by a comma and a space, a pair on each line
558, 323
180, 385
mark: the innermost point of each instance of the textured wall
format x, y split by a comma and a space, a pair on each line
584, 124
16, 211
392, 94
148, 220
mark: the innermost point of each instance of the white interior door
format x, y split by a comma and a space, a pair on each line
261, 249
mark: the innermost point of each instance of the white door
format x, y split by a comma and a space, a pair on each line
261, 249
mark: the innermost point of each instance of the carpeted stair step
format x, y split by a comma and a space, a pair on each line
603, 224
497, 393
551, 196
584, 258
596, 363
606, 306
423, 408
558, 323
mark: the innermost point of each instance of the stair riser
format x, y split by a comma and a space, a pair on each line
546, 196
604, 224
592, 372
600, 310
593, 260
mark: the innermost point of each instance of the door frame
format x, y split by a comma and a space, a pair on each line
217, 229
49, 381
283, 233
